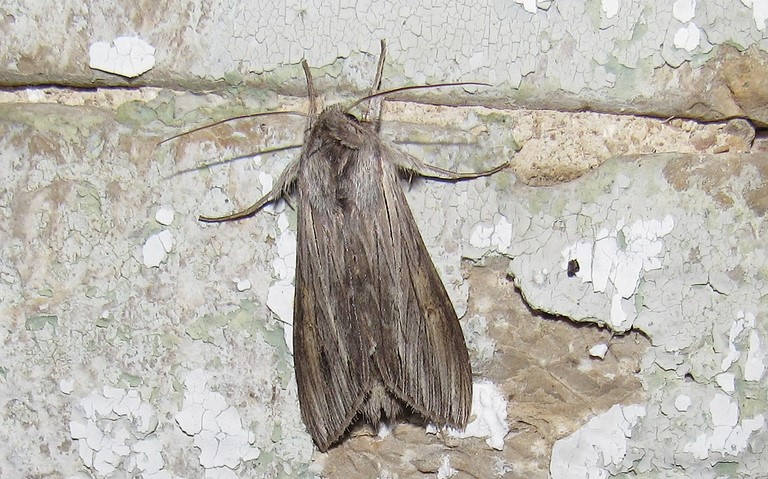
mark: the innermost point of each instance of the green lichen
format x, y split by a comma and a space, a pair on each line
37, 323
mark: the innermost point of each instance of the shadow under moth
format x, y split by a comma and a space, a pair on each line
375, 336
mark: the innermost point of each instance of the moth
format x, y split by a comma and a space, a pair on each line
375, 336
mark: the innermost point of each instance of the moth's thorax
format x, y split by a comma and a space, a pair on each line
342, 165
334, 125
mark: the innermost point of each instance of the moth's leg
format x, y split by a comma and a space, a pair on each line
409, 163
280, 189
373, 112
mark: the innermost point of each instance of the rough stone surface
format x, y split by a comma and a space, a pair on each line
611, 282
701, 59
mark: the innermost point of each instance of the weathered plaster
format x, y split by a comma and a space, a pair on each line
108, 300
691, 280
570, 54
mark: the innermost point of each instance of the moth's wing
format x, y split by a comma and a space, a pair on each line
424, 360
332, 374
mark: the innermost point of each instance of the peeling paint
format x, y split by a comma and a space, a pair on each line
125, 56
114, 430
602, 442
754, 367
164, 216
727, 435
489, 408
598, 351
242, 284
688, 37
759, 11
682, 402
281, 292
619, 257
446, 471
215, 426
157, 248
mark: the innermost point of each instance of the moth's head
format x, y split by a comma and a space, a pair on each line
336, 123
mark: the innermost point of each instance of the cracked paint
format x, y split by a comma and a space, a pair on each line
115, 430
602, 442
686, 307
281, 292
216, 428
727, 435
659, 265
759, 11
743, 320
529, 49
498, 236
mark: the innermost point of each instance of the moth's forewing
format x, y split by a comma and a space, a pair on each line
370, 309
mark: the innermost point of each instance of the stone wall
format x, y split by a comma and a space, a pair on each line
139, 342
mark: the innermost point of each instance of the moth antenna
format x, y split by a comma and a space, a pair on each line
374, 107
311, 93
380, 68
240, 117
413, 87
230, 160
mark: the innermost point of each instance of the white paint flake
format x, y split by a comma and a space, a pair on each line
242, 284
598, 444
682, 402
490, 410
618, 315
156, 248
216, 427
498, 236
724, 412
688, 37
742, 320
684, 10
446, 471
528, 5
125, 56
726, 382
610, 8
598, 350
114, 430
164, 216
754, 367
481, 236
67, 386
